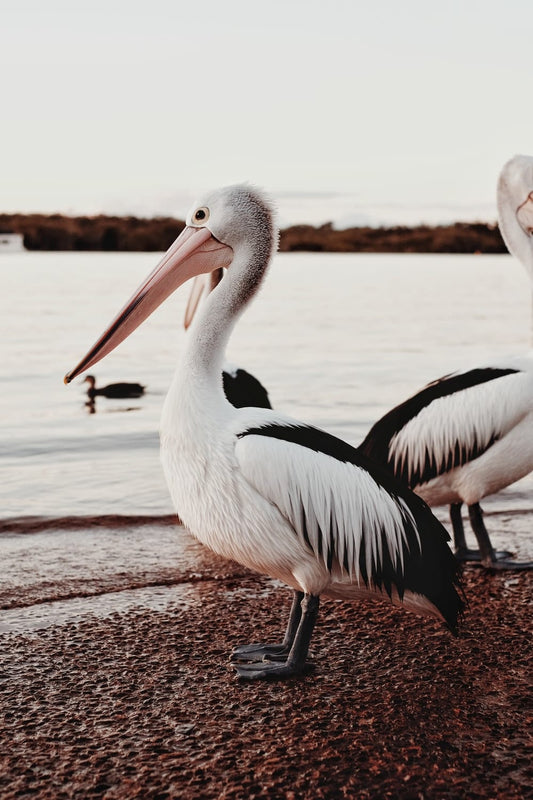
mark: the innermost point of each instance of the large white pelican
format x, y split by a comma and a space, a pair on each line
470, 434
276, 495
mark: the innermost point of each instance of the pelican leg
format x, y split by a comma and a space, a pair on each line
489, 558
273, 652
296, 659
462, 551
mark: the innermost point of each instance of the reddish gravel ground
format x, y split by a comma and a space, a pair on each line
145, 705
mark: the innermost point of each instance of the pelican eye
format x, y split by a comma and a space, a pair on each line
201, 215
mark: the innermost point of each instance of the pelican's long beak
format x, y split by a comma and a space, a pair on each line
194, 252
201, 284
525, 214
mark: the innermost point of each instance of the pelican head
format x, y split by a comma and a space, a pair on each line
236, 219
238, 215
515, 208
516, 184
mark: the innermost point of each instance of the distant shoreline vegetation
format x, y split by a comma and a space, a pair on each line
108, 234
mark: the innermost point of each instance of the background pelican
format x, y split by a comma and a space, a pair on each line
470, 434
275, 495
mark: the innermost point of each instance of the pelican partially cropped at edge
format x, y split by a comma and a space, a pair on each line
278, 496
470, 433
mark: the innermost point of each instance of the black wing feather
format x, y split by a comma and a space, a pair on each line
244, 391
376, 444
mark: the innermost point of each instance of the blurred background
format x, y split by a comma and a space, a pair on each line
347, 113
350, 112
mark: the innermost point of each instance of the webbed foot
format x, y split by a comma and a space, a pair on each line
466, 554
253, 653
267, 670
264, 661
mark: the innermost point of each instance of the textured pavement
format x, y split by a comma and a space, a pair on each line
128, 693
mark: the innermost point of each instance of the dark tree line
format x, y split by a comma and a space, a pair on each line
460, 237
58, 232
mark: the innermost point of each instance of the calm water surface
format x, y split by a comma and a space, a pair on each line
336, 339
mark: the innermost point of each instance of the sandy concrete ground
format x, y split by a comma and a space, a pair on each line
129, 693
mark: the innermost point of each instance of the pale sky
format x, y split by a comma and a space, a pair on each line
354, 112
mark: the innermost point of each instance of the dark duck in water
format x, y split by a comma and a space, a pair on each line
115, 390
